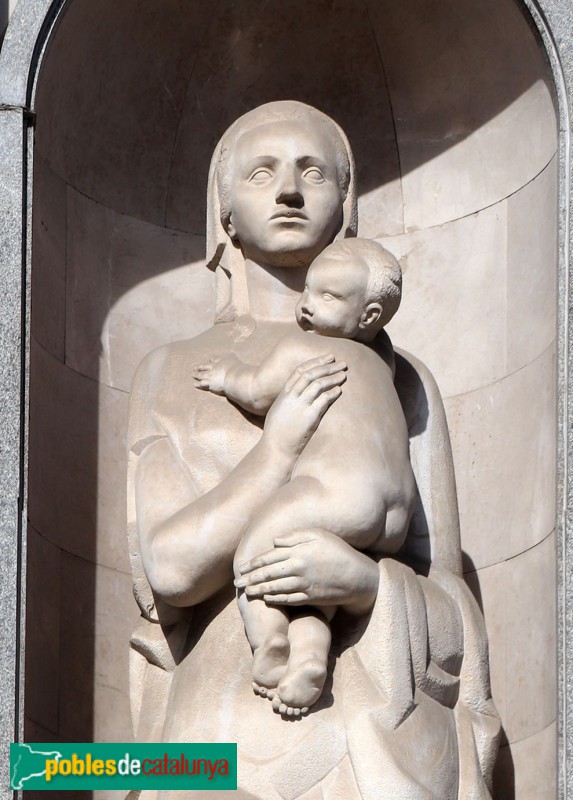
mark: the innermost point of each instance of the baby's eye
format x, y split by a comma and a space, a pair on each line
327, 297
261, 175
313, 175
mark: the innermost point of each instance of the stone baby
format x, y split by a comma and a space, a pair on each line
352, 290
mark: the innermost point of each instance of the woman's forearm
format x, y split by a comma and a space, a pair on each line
188, 553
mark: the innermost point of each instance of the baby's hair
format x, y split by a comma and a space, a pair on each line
385, 276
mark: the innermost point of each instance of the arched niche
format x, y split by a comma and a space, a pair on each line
449, 107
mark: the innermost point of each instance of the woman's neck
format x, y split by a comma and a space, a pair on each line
273, 291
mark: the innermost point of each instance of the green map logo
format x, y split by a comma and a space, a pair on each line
123, 766
29, 763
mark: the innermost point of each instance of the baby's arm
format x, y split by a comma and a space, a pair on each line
253, 388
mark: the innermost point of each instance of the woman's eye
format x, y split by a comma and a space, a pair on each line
314, 175
260, 176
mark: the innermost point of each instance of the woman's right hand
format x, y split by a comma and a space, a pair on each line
308, 394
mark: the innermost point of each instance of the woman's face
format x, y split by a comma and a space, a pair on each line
286, 203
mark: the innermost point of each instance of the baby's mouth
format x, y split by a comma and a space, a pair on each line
306, 324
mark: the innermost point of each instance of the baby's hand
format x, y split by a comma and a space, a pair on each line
212, 375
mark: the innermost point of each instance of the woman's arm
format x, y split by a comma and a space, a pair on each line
188, 542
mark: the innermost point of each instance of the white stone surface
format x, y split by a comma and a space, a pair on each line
479, 293
526, 769
518, 601
115, 619
380, 211
486, 166
504, 456
92, 665
130, 285
531, 269
77, 462
453, 311
473, 112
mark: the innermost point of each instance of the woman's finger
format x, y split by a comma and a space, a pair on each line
273, 556
305, 373
324, 384
328, 358
294, 538
324, 372
326, 399
294, 599
272, 572
287, 585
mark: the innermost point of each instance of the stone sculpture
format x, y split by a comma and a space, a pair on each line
352, 289
406, 710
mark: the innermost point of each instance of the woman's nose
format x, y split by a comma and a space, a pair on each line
288, 190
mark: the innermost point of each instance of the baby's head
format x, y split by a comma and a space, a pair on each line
353, 288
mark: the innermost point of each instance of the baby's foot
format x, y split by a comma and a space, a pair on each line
269, 664
288, 711
300, 687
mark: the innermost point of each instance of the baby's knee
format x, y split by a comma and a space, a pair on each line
254, 543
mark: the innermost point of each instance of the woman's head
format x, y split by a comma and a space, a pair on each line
281, 188
275, 115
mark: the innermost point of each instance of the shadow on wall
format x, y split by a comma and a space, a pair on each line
161, 82
4, 17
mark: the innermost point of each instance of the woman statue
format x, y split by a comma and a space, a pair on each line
406, 713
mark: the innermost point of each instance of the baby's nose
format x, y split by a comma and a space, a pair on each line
306, 306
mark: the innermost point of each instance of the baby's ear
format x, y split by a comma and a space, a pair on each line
371, 315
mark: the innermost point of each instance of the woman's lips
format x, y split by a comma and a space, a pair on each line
289, 214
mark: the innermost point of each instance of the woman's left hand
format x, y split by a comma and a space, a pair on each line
312, 567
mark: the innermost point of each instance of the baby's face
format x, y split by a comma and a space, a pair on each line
334, 296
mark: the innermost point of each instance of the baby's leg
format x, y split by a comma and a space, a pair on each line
266, 626
294, 507
303, 682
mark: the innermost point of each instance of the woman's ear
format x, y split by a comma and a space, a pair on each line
229, 227
371, 315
